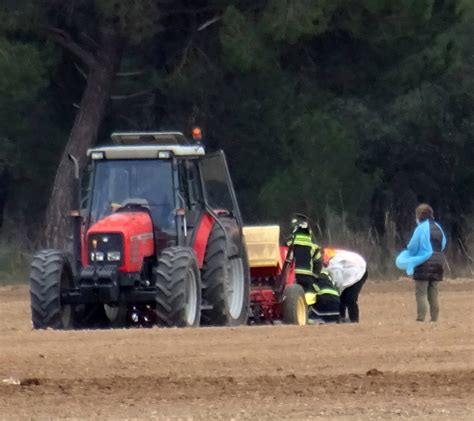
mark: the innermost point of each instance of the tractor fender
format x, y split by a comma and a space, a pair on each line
201, 237
233, 236
203, 231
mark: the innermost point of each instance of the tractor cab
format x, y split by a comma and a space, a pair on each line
160, 178
170, 177
160, 216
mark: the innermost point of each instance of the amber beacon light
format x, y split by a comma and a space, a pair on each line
197, 133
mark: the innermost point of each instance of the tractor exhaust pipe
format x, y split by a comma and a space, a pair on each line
76, 215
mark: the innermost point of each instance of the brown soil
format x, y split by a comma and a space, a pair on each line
387, 367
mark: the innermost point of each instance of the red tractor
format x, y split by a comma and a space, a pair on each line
159, 241
274, 295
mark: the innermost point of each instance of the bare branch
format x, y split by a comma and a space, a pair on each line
129, 121
93, 43
183, 58
81, 71
209, 23
131, 73
206, 58
65, 40
134, 95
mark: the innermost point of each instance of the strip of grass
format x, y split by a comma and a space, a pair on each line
14, 264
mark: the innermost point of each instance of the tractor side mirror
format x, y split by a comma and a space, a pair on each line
76, 165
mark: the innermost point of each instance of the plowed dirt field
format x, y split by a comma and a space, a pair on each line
387, 367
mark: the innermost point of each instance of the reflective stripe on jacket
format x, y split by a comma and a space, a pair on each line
305, 252
325, 285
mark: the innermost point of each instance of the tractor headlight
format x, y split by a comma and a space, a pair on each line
113, 256
97, 256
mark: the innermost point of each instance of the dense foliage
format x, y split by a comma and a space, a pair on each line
349, 111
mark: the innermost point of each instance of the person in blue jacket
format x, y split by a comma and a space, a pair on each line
423, 259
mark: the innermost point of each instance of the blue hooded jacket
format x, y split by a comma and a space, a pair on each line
419, 249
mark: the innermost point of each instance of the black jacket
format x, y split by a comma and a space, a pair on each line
432, 269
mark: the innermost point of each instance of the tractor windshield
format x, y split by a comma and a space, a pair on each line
147, 183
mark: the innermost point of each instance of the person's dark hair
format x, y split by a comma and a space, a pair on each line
424, 212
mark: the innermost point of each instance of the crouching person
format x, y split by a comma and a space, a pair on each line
349, 273
325, 299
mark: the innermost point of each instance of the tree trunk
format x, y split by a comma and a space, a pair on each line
83, 135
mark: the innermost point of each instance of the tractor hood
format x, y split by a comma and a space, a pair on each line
124, 222
130, 233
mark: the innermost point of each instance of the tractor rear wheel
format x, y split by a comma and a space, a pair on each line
50, 275
225, 276
178, 283
295, 310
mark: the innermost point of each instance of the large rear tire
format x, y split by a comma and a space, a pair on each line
225, 276
50, 275
295, 310
178, 282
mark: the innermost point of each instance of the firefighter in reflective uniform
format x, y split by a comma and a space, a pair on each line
306, 253
322, 295
327, 299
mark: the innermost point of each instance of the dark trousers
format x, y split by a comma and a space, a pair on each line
427, 294
349, 298
328, 304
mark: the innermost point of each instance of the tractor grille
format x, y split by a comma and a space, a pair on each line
105, 243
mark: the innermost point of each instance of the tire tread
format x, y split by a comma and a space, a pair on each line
45, 288
170, 275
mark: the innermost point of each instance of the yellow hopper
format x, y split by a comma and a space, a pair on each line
263, 246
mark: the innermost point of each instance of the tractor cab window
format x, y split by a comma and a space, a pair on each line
194, 181
190, 184
190, 190
147, 183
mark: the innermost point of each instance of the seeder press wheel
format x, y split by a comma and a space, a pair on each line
295, 310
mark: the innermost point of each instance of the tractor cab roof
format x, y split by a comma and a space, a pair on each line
147, 145
155, 138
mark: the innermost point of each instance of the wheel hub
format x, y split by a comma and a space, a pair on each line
191, 300
235, 287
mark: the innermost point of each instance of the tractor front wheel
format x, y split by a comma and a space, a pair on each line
295, 310
178, 283
50, 275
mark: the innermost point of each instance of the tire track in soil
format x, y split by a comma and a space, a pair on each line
432, 384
